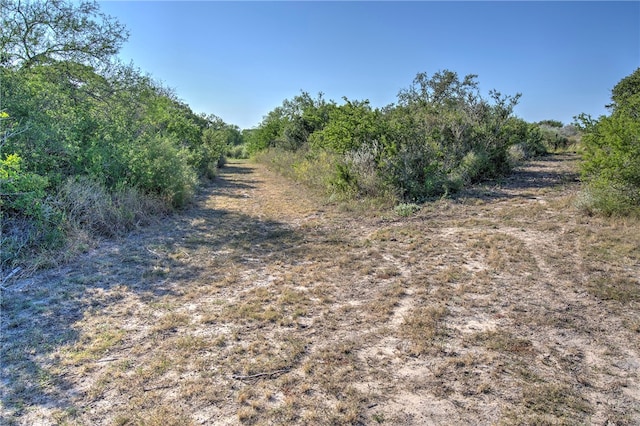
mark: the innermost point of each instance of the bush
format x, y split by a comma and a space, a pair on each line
369, 179
158, 167
27, 218
554, 139
21, 192
611, 160
406, 210
606, 199
238, 152
472, 168
439, 137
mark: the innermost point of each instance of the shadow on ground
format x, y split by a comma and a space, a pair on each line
533, 176
39, 315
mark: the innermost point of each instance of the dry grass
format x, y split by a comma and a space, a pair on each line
264, 305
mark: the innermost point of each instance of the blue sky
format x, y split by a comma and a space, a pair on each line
240, 60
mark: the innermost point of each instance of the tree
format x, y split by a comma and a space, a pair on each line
551, 123
36, 32
448, 135
625, 94
440, 136
442, 89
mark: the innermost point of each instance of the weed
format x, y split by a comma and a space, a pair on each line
423, 326
406, 210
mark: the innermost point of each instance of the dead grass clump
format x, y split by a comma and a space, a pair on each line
450, 274
170, 323
332, 366
423, 326
503, 251
254, 311
503, 342
162, 415
89, 206
384, 304
94, 344
618, 288
265, 358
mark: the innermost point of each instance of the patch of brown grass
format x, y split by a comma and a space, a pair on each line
423, 326
263, 304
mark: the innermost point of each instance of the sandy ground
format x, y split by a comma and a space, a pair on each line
265, 304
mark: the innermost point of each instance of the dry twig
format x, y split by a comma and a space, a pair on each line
269, 374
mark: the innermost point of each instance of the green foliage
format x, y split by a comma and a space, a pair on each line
26, 217
214, 147
611, 166
343, 180
349, 127
406, 209
69, 115
157, 166
21, 192
551, 123
441, 136
290, 125
268, 133
624, 94
36, 32
121, 129
237, 152
530, 139
447, 136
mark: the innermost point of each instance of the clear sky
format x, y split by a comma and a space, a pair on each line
240, 60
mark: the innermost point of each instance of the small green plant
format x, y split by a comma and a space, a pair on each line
406, 209
378, 417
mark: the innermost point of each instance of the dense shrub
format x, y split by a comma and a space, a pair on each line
70, 116
238, 152
553, 138
289, 126
441, 136
611, 166
157, 166
21, 193
27, 218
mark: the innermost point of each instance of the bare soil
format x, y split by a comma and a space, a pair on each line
265, 304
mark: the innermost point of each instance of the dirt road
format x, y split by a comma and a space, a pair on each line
264, 304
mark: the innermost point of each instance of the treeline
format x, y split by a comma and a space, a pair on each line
88, 144
440, 136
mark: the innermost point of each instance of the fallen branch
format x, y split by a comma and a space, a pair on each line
259, 375
153, 388
107, 359
11, 274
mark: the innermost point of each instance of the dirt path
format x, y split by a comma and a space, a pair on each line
264, 305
